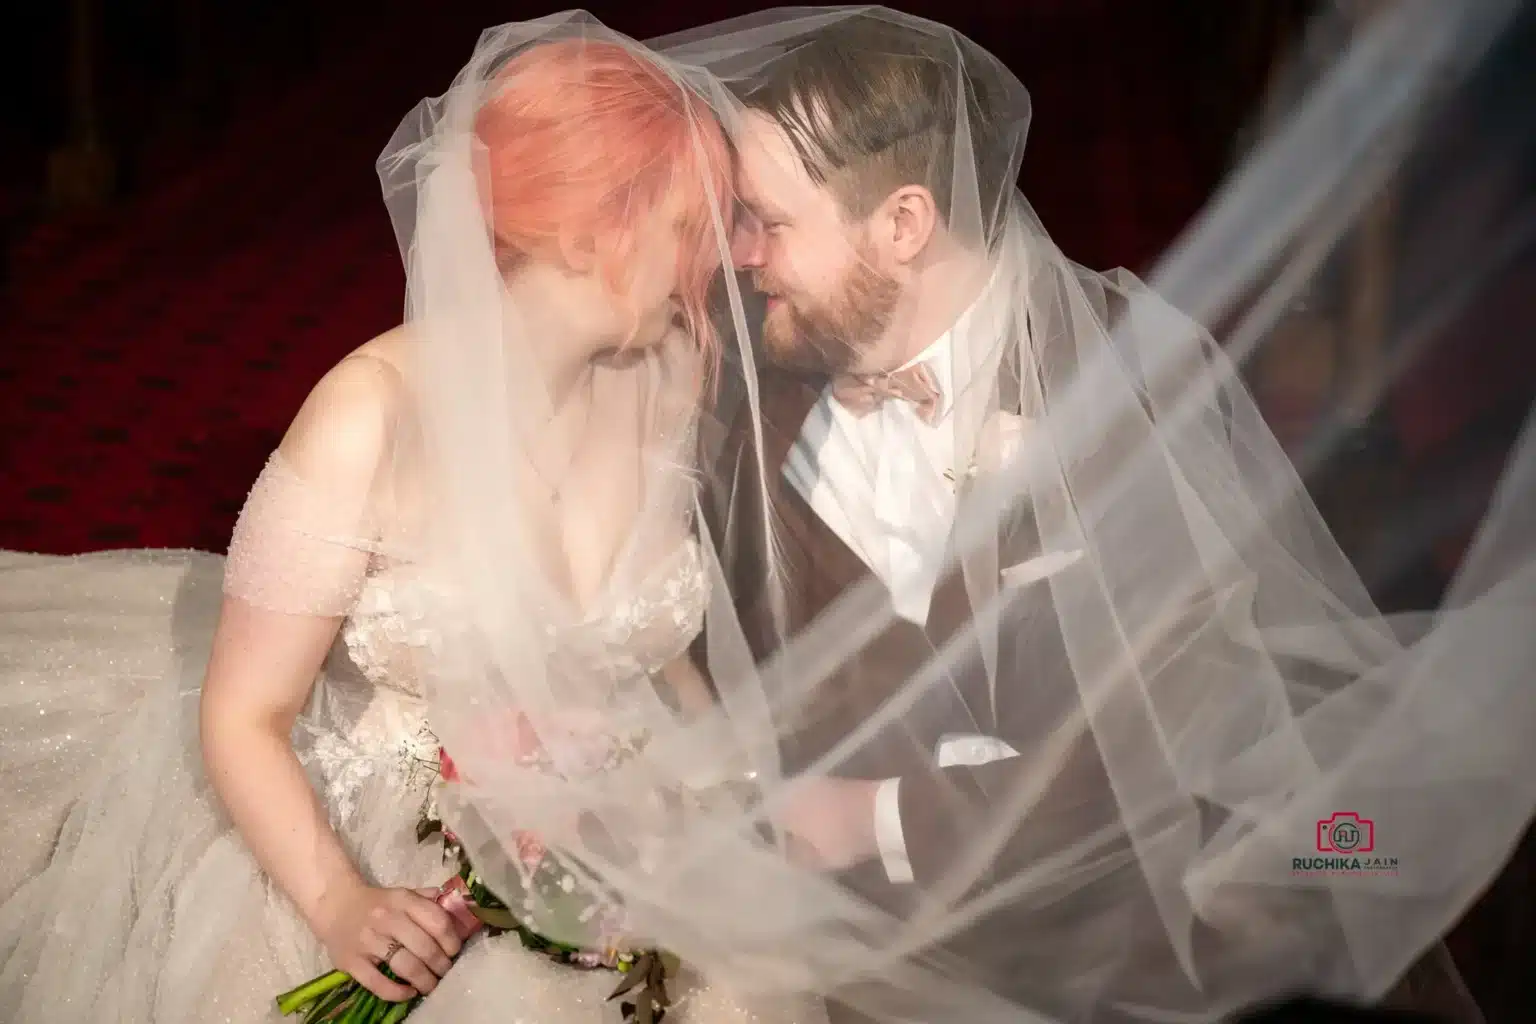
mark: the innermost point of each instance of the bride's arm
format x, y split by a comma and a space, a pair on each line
289, 582
259, 678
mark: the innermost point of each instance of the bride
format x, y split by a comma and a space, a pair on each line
201, 816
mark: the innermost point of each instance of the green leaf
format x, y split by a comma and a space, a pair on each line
495, 917
481, 896
628, 982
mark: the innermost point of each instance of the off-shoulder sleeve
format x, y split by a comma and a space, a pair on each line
299, 547
303, 541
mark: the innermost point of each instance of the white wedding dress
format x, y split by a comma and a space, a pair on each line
127, 894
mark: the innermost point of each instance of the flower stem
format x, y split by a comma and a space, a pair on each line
397, 1012
359, 1009
329, 1008
297, 999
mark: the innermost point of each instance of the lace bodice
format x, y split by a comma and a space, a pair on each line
630, 637
369, 724
298, 550
377, 712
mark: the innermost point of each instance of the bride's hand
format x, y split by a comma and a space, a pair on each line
362, 926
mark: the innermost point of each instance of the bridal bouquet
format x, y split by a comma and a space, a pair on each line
550, 893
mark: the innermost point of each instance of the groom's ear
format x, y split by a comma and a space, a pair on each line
910, 217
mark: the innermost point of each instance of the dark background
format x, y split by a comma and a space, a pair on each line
156, 342
192, 233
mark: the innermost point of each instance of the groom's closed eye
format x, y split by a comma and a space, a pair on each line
760, 215
747, 219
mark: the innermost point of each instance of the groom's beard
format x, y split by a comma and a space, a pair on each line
828, 336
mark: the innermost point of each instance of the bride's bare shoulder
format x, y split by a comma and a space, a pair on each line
350, 421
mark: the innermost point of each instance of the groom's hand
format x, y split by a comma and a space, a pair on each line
830, 823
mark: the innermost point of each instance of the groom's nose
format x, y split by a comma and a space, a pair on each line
747, 237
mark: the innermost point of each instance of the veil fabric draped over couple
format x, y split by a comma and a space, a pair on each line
918, 626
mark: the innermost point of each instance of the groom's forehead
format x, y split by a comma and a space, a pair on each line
771, 170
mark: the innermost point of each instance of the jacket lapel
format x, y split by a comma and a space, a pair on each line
820, 565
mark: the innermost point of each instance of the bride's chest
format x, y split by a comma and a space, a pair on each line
399, 622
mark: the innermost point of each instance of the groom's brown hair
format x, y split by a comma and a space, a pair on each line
871, 105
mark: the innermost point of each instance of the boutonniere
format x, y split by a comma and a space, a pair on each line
997, 443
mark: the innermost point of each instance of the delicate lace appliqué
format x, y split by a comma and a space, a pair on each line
611, 653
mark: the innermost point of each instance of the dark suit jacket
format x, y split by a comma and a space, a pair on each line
941, 808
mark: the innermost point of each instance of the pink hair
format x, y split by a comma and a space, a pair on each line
584, 139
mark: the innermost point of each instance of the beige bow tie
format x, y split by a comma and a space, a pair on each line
862, 394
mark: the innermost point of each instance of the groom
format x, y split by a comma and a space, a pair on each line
887, 312
882, 315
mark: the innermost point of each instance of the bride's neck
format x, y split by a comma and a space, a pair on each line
564, 334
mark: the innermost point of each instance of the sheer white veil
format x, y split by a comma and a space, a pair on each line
1214, 771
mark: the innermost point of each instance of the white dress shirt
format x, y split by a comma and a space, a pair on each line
885, 483
879, 482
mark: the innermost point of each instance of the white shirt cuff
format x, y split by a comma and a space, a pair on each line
972, 749
954, 749
888, 836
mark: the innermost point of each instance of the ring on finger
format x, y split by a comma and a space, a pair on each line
395, 946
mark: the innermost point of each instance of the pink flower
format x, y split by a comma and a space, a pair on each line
453, 896
530, 850
514, 731
445, 766
506, 736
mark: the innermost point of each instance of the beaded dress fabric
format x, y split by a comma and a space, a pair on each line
128, 895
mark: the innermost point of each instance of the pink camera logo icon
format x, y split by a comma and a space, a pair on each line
1346, 832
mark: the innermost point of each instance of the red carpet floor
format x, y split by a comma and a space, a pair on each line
153, 354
